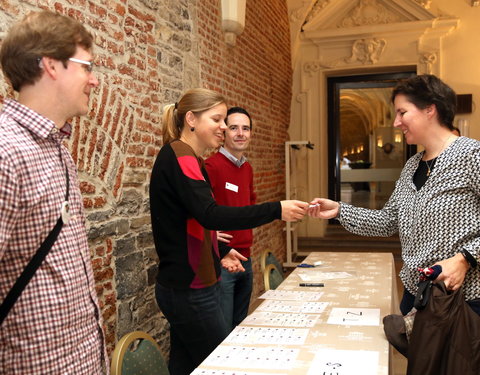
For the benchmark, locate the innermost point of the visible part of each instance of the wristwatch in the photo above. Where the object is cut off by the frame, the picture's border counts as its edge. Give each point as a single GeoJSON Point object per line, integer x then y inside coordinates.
{"type": "Point", "coordinates": [339, 209]}
{"type": "Point", "coordinates": [469, 258]}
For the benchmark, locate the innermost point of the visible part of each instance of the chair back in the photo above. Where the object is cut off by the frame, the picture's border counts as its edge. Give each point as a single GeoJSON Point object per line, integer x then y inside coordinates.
{"type": "Point", "coordinates": [269, 258]}
{"type": "Point", "coordinates": [272, 277]}
{"type": "Point", "coordinates": [137, 353]}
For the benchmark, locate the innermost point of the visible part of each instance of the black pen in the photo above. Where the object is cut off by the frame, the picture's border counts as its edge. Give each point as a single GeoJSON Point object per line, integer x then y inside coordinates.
{"type": "Point", "coordinates": [311, 284]}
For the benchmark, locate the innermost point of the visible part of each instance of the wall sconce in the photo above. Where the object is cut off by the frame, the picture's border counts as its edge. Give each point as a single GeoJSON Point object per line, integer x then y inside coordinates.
{"type": "Point", "coordinates": [233, 19]}
{"type": "Point", "coordinates": [475, 3]}
{"type": "Point", "coordinates": [398, 138]}
{"type": "Point", "coordinates": [380, 142]}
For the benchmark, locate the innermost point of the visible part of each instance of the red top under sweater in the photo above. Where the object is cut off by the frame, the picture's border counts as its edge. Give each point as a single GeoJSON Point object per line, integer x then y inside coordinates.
{"type": "Point", "coordinates": [233, 186]}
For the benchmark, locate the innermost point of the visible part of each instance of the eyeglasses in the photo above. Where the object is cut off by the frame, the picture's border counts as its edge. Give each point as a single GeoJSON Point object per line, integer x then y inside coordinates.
{"type": "Point", "coordinates": [88, 65]}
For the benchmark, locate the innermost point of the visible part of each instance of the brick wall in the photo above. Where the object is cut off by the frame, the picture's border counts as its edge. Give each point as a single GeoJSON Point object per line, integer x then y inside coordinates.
{"type": "Point", "coordinates": [255, 74]}
{"type": "Point", "coordinates": [148, 52]}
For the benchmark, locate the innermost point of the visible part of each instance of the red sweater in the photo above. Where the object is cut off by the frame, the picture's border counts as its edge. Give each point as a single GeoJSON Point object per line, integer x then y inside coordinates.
{"type": "Point", "coordinates": [233, 186]}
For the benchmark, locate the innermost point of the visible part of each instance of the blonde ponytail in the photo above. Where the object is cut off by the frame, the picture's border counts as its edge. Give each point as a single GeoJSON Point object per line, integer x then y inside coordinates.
{"type": "Point", "coordinates": [195, 100]}
{"type": "Point", "coordinates": [171, 130]}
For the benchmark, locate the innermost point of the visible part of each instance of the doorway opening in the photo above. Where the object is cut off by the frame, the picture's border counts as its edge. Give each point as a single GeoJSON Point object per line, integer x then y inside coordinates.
{"type": "Point", "coordinates": [366, 153]}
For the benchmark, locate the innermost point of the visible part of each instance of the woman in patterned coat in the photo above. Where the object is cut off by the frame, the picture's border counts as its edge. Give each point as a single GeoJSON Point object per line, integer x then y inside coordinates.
{"type": "Point", "coordinates": [435, 206]}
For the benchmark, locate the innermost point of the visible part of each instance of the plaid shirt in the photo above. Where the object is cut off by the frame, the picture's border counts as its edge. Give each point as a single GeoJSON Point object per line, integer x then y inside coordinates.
{"type": "Point", "coordinates": [55, 325]}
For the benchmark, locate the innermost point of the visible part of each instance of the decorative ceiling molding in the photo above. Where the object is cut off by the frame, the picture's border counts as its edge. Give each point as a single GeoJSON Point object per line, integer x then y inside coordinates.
{"type": "Point", "coordinates": [327, 14]}
{"type": "Point", "coordinates": [317, 7]}
{"type": "Point", "coordinates": [298, 10]}
{"type": "Point", "coordinates": [424, 3]}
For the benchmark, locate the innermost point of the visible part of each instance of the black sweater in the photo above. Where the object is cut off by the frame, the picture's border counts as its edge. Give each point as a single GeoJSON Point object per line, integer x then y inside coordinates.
{"type": "Point", "coordinates": [185, 218]}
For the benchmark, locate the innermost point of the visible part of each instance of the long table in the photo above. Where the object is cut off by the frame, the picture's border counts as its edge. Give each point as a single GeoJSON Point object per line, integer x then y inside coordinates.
{"type": "Point", "coordinates": [346, 338]}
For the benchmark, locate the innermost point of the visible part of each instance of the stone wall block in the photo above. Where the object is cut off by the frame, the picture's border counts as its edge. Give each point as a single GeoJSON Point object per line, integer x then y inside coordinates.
{"type": "Point", "coordinates": [150, 256]}
{"type": "Point", "coordinates": [113, 228]}
{"type": "Point", "coordinates": [145, 240]}
{"type": "Point", "coordinates": [152, 274]}
{"type": "Point", "coordinates": [130, 202]}
{"type": "Point", "coordinates": [126, 317]}
{"type": "Point", "coordinates": [130, 275]}
{"type": "Point", "coordinates": [124, 246]}
{"type": "Point", "coordinates": [142, 222]}
{"type": "Point", "coordinates": [98, 216]}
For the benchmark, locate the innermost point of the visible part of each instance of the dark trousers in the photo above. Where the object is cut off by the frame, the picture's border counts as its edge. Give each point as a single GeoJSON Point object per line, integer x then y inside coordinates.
{"type": "Point", "coordinates": [197, 325]}
{"type": "Point", "coordinates": [408, 299]}
{"type": "Point", "coordinates": [236, 289]}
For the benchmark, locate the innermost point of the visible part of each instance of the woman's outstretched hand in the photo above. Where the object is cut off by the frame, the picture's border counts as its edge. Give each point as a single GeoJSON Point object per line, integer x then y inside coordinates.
{"type": "Point", "coordinates": [322, 208]}
{"type": "Point", "coordinates": [293, 210]}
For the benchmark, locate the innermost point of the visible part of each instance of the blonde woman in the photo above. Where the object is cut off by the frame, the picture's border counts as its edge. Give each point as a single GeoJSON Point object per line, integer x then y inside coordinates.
{"type": "Point", "coordinates": [185, 218]}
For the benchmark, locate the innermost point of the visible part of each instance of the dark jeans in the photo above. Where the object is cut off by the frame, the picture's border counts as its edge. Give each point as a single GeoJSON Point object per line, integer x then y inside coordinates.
{"type": "Point", "coordinates": [235, 291]}
{"type": "Point", "coordinates": [196, 322]}
{"type": "Point", "coordinates": [408, 299]}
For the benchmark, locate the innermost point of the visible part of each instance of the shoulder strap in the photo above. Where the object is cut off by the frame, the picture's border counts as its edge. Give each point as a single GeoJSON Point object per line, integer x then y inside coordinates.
{"type": "Point", "coordinates": [423, 294]}
{"type": "Point", "coordinates": [29, 271]}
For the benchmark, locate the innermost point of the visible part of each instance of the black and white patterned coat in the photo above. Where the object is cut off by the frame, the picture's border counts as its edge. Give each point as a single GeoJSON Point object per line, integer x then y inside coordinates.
{"type": "Point", "coordinates": [435, 222]}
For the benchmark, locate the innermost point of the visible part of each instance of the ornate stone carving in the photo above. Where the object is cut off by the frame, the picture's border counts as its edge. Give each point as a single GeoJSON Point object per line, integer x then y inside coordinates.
{"type": "Point", "coordinates": [298, 14]}
{"type": "Point", "coordinates": [317, 7]}
{"type": "Point", "coordinates": [424, 3]}
{"type": "Point", "coordinates": [314, 66]}
{"type": "Point", "coordinates": [368, 12]}
{"type": "Point", "coordinates": [428, 60]}
{"type": "Point", "coordinates": [367, 51]}
{"type": "Point", "coordinates": [300, 98]}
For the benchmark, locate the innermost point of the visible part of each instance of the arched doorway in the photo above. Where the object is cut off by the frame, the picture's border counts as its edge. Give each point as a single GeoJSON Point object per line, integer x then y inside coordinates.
{"type": "Point", "coordinates": [365, 152]}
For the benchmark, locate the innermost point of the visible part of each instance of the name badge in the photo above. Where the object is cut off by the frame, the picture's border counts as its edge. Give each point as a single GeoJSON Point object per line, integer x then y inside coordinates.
{"type": "Point", "coordinates": [65, 212]}
{"type": "Point", "coordinates": [231, 187]}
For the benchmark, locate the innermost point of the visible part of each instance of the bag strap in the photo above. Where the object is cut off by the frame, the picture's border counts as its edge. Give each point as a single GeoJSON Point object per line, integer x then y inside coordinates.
{"type": "Point", "coordinates": [423, 294]}
{"type": "Point", "coordinates": [29, 271]}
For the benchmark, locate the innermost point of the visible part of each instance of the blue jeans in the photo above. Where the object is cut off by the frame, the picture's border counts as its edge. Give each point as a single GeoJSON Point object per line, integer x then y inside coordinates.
{"type": "Point", "coordinates": [196, 322]}
{"type": "Point", "coordinates": [236, 289]}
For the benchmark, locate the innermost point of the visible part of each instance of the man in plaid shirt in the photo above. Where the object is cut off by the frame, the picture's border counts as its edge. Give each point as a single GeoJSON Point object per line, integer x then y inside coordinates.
{"type": "Point", "coordinates": [55, 326]}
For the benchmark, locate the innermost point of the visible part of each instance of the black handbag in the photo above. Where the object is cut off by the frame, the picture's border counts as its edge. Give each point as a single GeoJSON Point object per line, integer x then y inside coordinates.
{"type": "Point", "coordinates": [445, 339]}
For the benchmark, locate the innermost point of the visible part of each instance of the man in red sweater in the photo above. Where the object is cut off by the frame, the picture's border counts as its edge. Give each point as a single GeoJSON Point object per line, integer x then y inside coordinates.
{"type": "Point", "coordinates": [231, 178]}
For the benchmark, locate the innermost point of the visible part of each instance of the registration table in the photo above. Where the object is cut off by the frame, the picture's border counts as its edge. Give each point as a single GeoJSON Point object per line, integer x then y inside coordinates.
{"type": "Point", "coordinates": [334, 329]}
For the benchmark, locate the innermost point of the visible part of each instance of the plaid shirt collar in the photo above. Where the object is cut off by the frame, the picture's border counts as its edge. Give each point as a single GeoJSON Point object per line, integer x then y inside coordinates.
{"type": "Point", "coordinates": [34, 122]}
